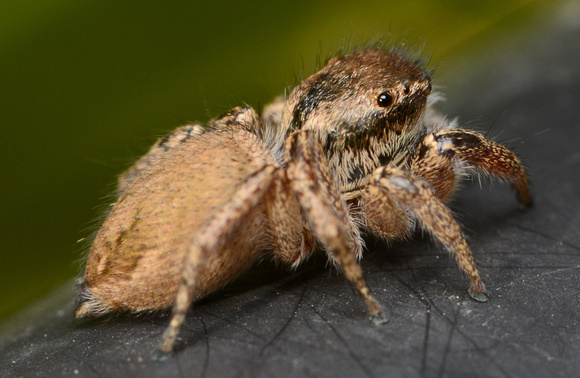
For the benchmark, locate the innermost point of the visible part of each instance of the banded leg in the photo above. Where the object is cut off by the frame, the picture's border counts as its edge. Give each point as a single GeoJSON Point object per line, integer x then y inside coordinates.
{"type": "Point", "coordinates": [327, 214]}
{"type": "Point", "coordinates": [412, 192]}
{"type": "Point", "coordinates": [478, 152]}
{"type": "Point", "coordinates": [211, 238]}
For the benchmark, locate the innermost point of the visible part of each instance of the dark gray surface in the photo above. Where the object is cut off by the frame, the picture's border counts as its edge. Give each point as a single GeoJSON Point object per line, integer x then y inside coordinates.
{"type": "Point", "coordinates": [312, 323]}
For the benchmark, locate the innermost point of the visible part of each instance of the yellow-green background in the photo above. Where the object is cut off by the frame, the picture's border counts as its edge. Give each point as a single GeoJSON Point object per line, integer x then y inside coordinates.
{"type": "Point", "coordinates": [85, 86]}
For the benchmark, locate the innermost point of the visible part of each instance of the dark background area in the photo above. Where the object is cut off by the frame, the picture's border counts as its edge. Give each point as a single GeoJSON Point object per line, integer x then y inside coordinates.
{"type": "Point", "coordinates": [511, 69]}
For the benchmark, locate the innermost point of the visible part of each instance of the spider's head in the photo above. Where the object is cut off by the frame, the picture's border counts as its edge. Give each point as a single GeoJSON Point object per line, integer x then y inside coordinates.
{"type": "Point", "coordinates": [360, 94]}
{"type": "Point", "coordinates": [370, 103]}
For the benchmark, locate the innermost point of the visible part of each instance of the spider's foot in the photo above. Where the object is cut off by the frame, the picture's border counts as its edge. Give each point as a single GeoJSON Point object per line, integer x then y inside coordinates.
{"type": "Point", "coordinates": [160, 355]}
{"type": "Point", "coordinates": [380, 318]}
{"type": "Point", "coordinates": [482, 296]}
{"type": "Point", "coordinates": [526, 205]}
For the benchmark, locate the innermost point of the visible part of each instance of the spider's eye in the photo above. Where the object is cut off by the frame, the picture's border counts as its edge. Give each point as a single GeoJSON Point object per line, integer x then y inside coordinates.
{"type": "Point", "coordinates": [385, 99]}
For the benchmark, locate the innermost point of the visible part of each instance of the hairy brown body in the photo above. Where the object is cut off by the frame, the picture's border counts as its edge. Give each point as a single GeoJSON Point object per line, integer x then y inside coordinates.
{"type": "Point", "coordinates": [355, 146]}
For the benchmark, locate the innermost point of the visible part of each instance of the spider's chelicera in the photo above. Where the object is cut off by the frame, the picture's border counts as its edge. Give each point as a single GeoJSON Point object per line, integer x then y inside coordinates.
{"type": "Point", "coordinates": [356, 145]}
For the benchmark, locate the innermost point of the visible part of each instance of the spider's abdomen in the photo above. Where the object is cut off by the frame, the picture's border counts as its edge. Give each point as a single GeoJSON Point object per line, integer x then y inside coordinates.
{"type": "Point", "coordinates": [156, 219]}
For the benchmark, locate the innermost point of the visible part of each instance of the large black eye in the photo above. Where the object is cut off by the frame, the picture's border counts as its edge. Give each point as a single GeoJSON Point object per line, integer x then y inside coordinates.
{"type": "Point", "coordinates": [385, 99]}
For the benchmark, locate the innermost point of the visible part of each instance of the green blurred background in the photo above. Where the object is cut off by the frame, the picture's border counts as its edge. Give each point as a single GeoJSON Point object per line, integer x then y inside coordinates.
{"type": "Point", "coordinates": [87, 86]}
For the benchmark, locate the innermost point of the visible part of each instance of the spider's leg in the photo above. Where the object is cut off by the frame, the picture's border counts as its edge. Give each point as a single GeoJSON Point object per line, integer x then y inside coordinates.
{"type": "Point", "coordinates": [383, 217]}
{"type": "Point", "coordinates": [413, 193]}
{"type": "Point", "coordinates": [311, 180]}
{"type": "Point", "coordinates": [292, 241]}
{"type": "Point", "coordinates": [472, 149]}
{"type": "Point", "coordinates": [210, 238]}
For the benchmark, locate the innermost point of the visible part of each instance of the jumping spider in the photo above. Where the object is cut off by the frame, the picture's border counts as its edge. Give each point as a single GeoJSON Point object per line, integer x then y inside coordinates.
{"type": "Point", "coordinates": [356, 145]}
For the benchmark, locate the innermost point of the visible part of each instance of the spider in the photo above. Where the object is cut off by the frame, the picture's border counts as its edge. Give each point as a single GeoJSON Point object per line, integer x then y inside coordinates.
{"type": "Point", "coordinates": [357, 145]}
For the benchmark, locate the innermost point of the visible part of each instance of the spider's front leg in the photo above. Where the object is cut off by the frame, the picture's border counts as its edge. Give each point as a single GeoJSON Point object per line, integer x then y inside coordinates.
{"type": "Point", "coordinates": [318, 195]}
{"type": "Point", "coordinates": [407, 191]}
{"type": "Point", "coordinates": [446, 152]}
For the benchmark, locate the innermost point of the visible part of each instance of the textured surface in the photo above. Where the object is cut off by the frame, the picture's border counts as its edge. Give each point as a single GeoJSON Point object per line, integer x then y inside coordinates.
{"type": "Point", "coordinates": [312, 323]}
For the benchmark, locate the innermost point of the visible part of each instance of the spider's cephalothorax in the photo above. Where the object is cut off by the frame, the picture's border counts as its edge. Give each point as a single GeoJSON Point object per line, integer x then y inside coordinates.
{"type": "Point", "coordinates": [356, 145]}
{"type": "Point", "coordinates": [366, 110]}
